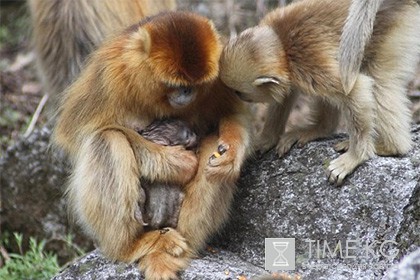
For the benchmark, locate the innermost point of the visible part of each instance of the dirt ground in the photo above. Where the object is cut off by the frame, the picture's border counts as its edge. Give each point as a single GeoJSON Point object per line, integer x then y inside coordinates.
{"type": "Point", "coordinates": [21, 91]}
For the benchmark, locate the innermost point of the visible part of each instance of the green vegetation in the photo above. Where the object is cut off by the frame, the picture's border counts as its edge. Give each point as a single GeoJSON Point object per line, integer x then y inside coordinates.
{"type": "Point", "coordinates": [14, 24]}
{"type": "Point", "coordinates": [36, 263]}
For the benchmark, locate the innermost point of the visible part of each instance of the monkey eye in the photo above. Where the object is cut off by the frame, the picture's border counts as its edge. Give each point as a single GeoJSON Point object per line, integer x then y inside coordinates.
{"type": "Point", "coordinates": [238, 93]}
{"type": "Point", "coordinates": [185, 90]}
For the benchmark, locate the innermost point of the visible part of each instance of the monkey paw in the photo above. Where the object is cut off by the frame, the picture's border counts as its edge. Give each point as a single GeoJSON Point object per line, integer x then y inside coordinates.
{"type": "Point", "coordinates": [342, 146]}
{"type": "Point", "coordinates": [171, 242]}
{"type": "Point", "coordinates": [341, 167]}
{"type": "Point", "coordinates": [266, 143]}
{"type": "Point", "coordinates": [217, 158]}
{"type": "Point", "coordinates": [223, 164]}
{"type": "Point", "coordinates": [162, 266]}
{"type": "Point", "coordinates": [289, 139]}
{"type": "Point", "coordinates": [183, 162]}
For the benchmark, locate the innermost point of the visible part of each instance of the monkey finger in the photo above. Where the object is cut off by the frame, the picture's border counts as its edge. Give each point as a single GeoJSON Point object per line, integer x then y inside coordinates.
{"type": "Point", "coordinates": [139, 217]}
{"type": "Point", "coordinates": [342, 146]}
{"type": "Point", "coordinates": [221, 150]}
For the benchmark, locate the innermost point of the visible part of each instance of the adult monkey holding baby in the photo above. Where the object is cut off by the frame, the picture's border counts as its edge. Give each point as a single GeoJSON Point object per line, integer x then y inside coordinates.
{"type": "Point", "coordinates": [164, 67]}
{"type": "Point", "coordinates": [130, 81]}
{"type": "Point", "coordinates": [65, 33]}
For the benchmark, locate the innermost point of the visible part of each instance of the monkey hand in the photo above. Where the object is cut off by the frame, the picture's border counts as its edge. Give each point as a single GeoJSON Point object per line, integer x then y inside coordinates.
{"type": "Point", "coordinates": [225, 162]}
{"type": "Point", "coordinates": [221, 149]}
{"type": "Point", "coordinates": [182, 163]}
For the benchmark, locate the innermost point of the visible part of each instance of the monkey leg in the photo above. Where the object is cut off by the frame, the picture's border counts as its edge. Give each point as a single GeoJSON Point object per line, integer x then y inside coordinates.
{"type": "Point", "coordinates": [274, 127]}
{"type": "Point", "coordinates": [360, 104]}
{"type": "Point", "coordinates": [163, 253]}
{"type": "Point", "coordinates": [393, 120]}
{"type": "Point", "coordinates": [205, 208]}
{"type": "Point", "coordinates": [160, 163]}
{"type": "Point", "coordinates": [207, 201]}
{"type": "Point", "coordinates": [342, 146]}
{"type": "Point", "coordinates": [324, 119]}
{"type": "Point", "coordinates": [395, 64]}
{"type": "Point", "coordinates": [104, 192]}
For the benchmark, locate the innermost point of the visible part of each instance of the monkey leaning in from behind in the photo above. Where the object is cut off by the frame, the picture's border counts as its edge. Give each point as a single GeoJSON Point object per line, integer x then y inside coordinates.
{"type": "Point", "coordinates": [66, 32]}
{"type": "Point", "coordinates": [130, 81]}
{"type": "Point", "coordinates": [294, 50]}
{"type": "Point", "coordinates": [158, 212]}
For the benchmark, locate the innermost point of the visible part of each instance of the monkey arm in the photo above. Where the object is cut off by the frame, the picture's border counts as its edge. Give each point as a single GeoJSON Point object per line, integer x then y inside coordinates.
{"type": "Point", "coordinates": [234, 145]}
{"type": "Point", "coordinates": [160, 163]}
{"type": "Point", "coordinates": [275, 125]}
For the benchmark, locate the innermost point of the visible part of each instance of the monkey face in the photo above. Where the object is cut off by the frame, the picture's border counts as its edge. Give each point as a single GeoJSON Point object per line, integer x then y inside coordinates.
{"type": "Point", "coordinates": [182, 48]}
{"type": "Point", "coordinates": [181, 97]}
{"type": "Point", "coordinates": [253, 65]}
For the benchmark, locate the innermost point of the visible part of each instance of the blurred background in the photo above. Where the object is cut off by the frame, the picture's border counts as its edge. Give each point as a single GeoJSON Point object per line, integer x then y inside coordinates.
{"type": "Point", "coordinates": [21, 92]}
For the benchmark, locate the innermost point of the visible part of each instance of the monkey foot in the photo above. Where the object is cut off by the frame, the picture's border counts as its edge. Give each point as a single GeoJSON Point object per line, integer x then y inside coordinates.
{"type": "Point", "coordinates": [299, 137]}
{"type": "Point", "coordinates": [341, 167]}
{"type": "Point", "coordinates": [171, 242]}
{"type": "Point", "coordinates": [266, 143]}
{"type": "Point", "coordinates": [162, 266]}
{"type": "Point", "coordinates": [342, 146]}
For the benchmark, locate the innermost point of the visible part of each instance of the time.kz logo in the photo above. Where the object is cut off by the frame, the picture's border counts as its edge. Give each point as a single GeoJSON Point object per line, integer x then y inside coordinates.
{"type": "Point", "coordinates": [279, 254]}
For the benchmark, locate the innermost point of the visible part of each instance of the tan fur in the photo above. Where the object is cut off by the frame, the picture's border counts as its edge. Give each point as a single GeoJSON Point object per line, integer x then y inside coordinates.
{"type": "Point", "coordinates": [356, 34]}
{"type": "Point", "coordinates": [124, 87]}
{"type": "Point", "coordinates": [294, 50]}
{"type": "Point", "coordinates": [66, 32]}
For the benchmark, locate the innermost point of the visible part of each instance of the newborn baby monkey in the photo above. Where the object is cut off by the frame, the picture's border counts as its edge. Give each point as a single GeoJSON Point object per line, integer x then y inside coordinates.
{"type": "Point", "coordinates": [295, 49]}
{"type": "Point", "coordinates": [163, 201]}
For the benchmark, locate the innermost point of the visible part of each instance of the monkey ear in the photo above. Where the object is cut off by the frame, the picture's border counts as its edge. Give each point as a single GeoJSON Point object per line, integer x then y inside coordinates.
{"type": "Point", "coordinates": [265, 80]}
{"type": "Point", "coordinates": [280, 89]}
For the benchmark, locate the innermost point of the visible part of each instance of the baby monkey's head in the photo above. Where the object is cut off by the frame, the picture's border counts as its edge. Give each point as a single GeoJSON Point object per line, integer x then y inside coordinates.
{"type": "Point", "coordinates": [254, 65]}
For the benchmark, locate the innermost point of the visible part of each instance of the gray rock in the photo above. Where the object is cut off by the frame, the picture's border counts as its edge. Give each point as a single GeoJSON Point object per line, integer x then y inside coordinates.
{"type": "Point", "coordinates": [408, 269]}
{"type": "Point", "coordinates": [291, 198]}
{"type": "Point", "coordinates": [220, 265]}
{"type": "Point", "coordinates": [32, 183]}
{"type": "Point", "coordinates": [277, 198]}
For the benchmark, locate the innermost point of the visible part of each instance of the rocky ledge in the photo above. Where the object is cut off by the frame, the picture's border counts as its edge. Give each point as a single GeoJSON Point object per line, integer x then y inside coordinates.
{"type": "Point", "coordinates": [369, 228]}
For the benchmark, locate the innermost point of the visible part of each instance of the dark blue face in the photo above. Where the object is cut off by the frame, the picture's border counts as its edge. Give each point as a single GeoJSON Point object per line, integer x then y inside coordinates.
{"type": "Point", "coordinates": [181, 97]}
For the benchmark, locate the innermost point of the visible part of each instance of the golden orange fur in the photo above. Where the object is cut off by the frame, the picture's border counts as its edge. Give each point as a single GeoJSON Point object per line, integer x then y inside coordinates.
{"type": "Point", "coordinates": [295, 50]}
{"type": "Point", "coordinates": [124, 87]}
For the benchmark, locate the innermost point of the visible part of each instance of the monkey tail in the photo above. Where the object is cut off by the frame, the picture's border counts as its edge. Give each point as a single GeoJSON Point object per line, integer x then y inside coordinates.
{"type": "Point", "coordinates": [357, 31]}
{"type": "Point", "coordinates": [104, 192]}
